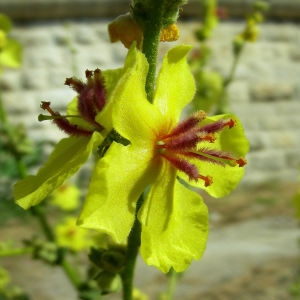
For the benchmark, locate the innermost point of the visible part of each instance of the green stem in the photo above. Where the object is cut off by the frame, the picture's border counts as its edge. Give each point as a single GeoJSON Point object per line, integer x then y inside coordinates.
{"type": "Point", "coordinates": [3, 118]}
{"type": "Point", "coordinates": [222, 104]}
{"type": "Point", "coordinates": [150, 47]}
{"type": "Point", "coordinates": [134, 241]}
{"type": "Point", "coordinates": [173, 276]}
{"type": "Point", "coordinates": [151, 32]}
{"type": "Point", "coordinates": [38, 212]}
{"type": "Point", "coordinates": [71, 274]}
{"type": "Point", "coordinates": [230, 78]}
{"type": "Point", "coordinates": [16, 251]}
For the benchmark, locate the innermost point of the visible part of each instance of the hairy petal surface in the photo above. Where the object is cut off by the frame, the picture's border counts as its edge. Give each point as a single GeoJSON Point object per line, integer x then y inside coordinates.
{"type": "Point", "coordinates": [175, 83]}
{"type": "Point", "coordinates": [111, 78]}
{"type": "Point", "coordinates": [133, 116]}
{"type": "Point", "coordinates": [65, 160]}
{"type": "Point", "coordinates": [118, 180]}
{"type": "Point", "coordinates": [174, 224]}
{"type": "Point", "coordinates": [128, 101]}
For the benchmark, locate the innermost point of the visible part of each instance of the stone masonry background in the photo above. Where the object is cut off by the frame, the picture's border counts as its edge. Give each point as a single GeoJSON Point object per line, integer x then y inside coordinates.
{"type": "Point", "coordinates": [265, 94]}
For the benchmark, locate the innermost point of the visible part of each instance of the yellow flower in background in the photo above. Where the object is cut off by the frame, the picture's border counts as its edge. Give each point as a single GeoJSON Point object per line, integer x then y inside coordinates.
{"type": "Point", "coordinates": [66, 197]}
{"type": "Point", "coordinates": [10, 50]}
{"type": "Point", "coordinates": [138, 295]}
{"type": "Point", "coordinates": [4, 279]}
{"type": "Point", "coordinates": [71, 236]}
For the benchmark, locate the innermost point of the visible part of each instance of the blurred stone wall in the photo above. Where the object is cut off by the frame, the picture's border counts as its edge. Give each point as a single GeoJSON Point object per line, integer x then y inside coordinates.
{"type": "Point", "coordinates": [55, 9]}
{"type": "Point", "coordinates": [265, 94]}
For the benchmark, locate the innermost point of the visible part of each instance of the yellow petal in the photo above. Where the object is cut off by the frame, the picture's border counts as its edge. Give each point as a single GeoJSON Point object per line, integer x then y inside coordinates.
{"type": "Point", "coordinates": [118, 180]}
{"type": "Point", "coordinates": [67, 157]}
{"type": "Point", "coordinates": [175, 83]}
{"type": "Point", "coordinates": [174, 224]}
{"type": "Point", "coordinates": [225, 179]}
{"type": "Point", "coordinates": [133, 116]}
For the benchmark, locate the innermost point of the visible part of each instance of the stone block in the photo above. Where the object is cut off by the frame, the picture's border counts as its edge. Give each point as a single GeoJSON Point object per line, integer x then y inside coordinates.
{"type": "Point", "coordinates": [59, 97]}
{"type": "Point", "coordinates": [19, 103]}
{"type": "Point", "coordinates": [293, 158]}
{"type": "Point", "coordinates": [46, 57]}
{"type": "Point", "coordinates": [267, 160]}
{"type": "Point", "coordinates": [34, 79]}
{"type": "Point", "coordinates": [287, 139]}
{"type": "Point", "coordinates": [83, 34]}
{"type": "Point", "coordinates": [238, 91]}
{"type": "Point", "coordinates": [10, 80]}
{"type": "Point", "coordinates": [256, 140]}
{"type": "Point", "coordinates": [272, 91]}
{"type": "Point", "coordinates": [56, 77]}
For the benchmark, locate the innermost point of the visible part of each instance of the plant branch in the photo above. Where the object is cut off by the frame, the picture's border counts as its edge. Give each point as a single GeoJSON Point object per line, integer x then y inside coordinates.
{"type": "Point", "coordinates": [134, 241]}
{"type": "Point", "coordinates": [38, 212]}
{"type": "Point", "coordinates": [151, 33]}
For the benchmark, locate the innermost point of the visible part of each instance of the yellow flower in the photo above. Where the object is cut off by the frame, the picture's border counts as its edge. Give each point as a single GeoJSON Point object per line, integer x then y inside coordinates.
{"type": "Point", "coordinates": [71, 236]}
{"type": "Point", "coordinates": [66, 197]}
{"type": "Point", "coordinates": [162, 149]}
{"type": "Point", "coordinates": [10, 50]}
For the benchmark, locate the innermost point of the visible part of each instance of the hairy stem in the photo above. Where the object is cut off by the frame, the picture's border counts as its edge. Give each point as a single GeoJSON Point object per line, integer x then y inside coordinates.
{"type": "Point", "coordinates": [151, 32]}
{"type": "Point", "coordinates": [173, 276]}
{"type": "Point", "coordinates": [134, 241]}
{"type": "Point", "coordinates": [223, 103]}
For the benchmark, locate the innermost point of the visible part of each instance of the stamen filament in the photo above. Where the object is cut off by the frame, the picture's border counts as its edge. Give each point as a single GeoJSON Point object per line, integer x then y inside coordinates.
{"type": "Point", "coordinates": [184, 166]}
{"type": "Point", "coordinates": [217, 126]}
{"type": "Point", "coordinates": [180, 146]}
{"type": "Point", "coordinates": [187, 124]}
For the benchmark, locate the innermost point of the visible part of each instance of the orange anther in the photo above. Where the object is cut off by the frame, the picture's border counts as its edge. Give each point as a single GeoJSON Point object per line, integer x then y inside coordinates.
{"type": "Point", "coordinates": [210, 137]}
{"type": "Point", "coordinates": [46, 106]}
{"type": "Point", "coordinates": [208, 180]}
{"type": "Point", "coordinates": [231, 123]}
{"type": "Point", "coordinates": [241, 162]}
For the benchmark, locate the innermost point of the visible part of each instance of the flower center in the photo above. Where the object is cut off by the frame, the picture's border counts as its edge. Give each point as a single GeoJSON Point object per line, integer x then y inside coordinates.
{"type": "Point", "coordinates": [182, 146]}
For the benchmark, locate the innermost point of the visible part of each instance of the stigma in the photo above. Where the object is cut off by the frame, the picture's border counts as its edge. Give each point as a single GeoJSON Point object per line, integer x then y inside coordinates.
{"type": "Point", "coordinates": [181, 147]}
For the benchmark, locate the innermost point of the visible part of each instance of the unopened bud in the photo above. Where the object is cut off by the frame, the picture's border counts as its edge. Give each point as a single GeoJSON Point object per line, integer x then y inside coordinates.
{"type": "Point", "coordinates": [108, 282]}
{"type": "Point", "coordinates": [125, 29]}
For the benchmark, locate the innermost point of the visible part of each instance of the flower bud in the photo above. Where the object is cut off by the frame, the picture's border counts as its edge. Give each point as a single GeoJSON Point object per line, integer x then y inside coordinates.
{"type": "Point", "coordinates": [125, 29]}
{"type": "Point", "coordinates": [108, 282]}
